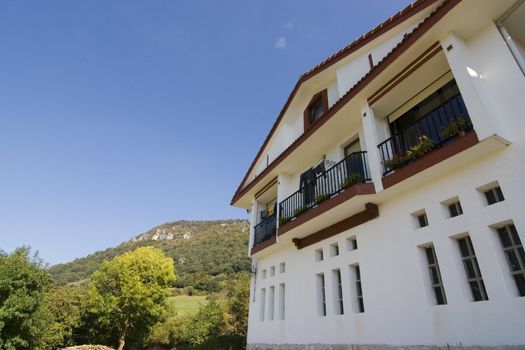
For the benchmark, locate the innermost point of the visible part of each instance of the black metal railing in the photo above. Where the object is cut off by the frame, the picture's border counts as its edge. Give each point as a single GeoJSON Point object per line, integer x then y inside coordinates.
{"type": "Point", "coordinates": [441, 126]}
{"type": "Point", "coordinates": [352, 169]}
{"type": "Point", "coordinates": [265, 229]}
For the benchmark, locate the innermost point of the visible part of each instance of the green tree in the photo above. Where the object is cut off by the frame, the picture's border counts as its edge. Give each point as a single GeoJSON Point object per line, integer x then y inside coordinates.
{"type": "Point", "coordinates": [238, 300]}
{"type": "Point", "coordinates": [22, 283]}
{"type": "Point", "coordinates": [128, 294]}
{"type": "Point", "coordinates": [65, 306]}
{"type": "Point", "coordinates": [208, 322]}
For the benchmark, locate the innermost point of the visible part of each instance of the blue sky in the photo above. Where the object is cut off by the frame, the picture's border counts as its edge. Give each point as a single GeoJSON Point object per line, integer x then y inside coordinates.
{"type": "Point", "coordinates": [117, 116]}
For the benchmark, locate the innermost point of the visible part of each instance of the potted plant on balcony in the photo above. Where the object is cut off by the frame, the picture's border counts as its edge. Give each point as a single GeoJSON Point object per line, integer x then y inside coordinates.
{"type": "Point", "coordinates": [455, 127]}
{"type": "Point", "coordinates": [395, 162]}
{"type": "Point", "coordinates": [321, 198]}
{"type": "Point", "coordinates": [424, 145]}
{"type": "Point", "coordinates": [351, 179]}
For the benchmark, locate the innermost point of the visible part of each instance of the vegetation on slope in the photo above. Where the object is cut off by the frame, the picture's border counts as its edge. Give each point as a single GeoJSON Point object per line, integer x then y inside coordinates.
{"type": "Point", "coordinates": [206, 254]}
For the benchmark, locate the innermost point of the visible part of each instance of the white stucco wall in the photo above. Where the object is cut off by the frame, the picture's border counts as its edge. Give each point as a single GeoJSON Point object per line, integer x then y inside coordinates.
{"type": "Point", "coordinates": [399, 306]}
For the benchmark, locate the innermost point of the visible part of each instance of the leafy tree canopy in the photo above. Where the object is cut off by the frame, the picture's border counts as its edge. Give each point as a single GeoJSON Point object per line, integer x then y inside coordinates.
{"type": "Point", "coordinates": [128, 293]}
{"type": "Point", "coordinates": [22, 283]}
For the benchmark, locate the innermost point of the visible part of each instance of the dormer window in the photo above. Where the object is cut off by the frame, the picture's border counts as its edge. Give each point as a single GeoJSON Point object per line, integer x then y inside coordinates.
{"type": "Point", "coordinates": [316, 108]}
{"type": "Point", "coordinates": [316, 111]}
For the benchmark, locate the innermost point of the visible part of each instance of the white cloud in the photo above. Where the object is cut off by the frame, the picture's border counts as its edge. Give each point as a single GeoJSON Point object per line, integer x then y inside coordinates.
{"type": "Point", "coordinates": [289, 25]}
{"type": "Point", "coordinates": [280, 43]}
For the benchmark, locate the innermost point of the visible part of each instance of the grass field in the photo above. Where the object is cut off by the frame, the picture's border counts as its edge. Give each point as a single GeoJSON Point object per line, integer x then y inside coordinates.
{"type": "Point", "coordinates": [186, 304]}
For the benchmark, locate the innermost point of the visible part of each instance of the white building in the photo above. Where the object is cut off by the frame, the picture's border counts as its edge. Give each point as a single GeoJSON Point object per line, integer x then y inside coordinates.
{"type": "Point", "coordinates": [412, 233]}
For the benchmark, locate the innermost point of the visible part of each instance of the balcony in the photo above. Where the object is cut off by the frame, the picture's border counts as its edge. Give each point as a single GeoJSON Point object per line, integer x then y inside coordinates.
{"type": "Point", "coordinates": [265, 230]}
{"type": "Point", "coordinates": [441, 127]}
{"type": "Point", "coordinates": [340, 177]}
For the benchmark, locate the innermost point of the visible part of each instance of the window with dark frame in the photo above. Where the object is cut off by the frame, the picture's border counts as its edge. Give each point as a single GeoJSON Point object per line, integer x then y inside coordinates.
{"type": "Point", "coordinates": [422, 220]}
{"type": "Point", "coordinates": [515, 255]}
{"type": "Point", "coordinates": [321, 294]}
{"type": "Point", "coordinates": [455, 209]}
{"type": "Point", "coordinates": [316, 110]}
{"type": "Point", "coordinates": [494, 195]}
{"type": "Point", "coordinates": [319, 256]}
{"type": "Point", "coordinates": [359, 289]}
{"type": "Point", "coordinates": [334, 249]}
{"type": "Point", "coordinates": [339, 291]}
{"type": "Point", "coordinates": [472, 271]}
{"type": "Point", "coordinates": [435, 276]}
{"type": "Point", "coordinates": [353, 242]}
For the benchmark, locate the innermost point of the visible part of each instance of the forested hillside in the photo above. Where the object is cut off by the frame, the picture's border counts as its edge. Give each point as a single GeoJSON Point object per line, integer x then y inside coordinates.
{"type": "Point", "coordinates": [206, 253]}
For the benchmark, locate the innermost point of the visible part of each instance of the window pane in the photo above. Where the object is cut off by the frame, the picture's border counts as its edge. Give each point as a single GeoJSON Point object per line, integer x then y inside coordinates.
{"type": "Point", "coordinates": [522, 256]}
{"type": "Point", "coordinates": [504, 237]}
{"type": "Point", "coordinates": [430, 256]}
{"type": "Point", "coordinates": [361, 305]}
{"type": "Point", "coordinates": [463, 247]}
{"type": "Point", "coordinates": [520, 283]}
{"type": "Point", "coordinates": [514, 233]}
{"type": "Point", "coordinates": [499, 194]}
{"type": "Point", "coordinates": [423, 220]}
{"type": "Point", "coordinates": [439, 296]}
{"type": "Point", "coordinates": [476, 293]}
{"type": "Point", "coordinates": [453, 210]}
{"type": "Point", "coordinates": [316, 111]}
{"type": "Point", "coordinates": [469, 268]}
{"type": "Point", "coordinates": [491, 199]}
{"type": "Point", "coordinates": [513, 260]}
{"type": "Point", "coordinates": [435, 275]}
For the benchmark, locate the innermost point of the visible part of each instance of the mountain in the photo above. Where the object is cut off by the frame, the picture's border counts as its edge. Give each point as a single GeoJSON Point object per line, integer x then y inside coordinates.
{"type": "Point", "coordinates": [206, 253]}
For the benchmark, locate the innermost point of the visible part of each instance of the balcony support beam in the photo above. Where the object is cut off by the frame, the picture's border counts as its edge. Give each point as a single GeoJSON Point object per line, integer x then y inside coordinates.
{"type": "Point", "coordinates": [370, 130]}
{"type": "Point", "coordinates": [371, 212]}
{"type": "Point", "coordinates": [253, 219]}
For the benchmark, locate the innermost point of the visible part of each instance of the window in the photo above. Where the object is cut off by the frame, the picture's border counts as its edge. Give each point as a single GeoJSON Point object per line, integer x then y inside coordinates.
{"type": "Point", "coordinates": [351, 243]}
{"type": "Point", "coordinates": [422, 220]}
{"type": "Point", "coordinates": [338, 292]}
{"type": "Point", "coordinates": [272, 271]}
{"type": "Point", "coordinates": [515, 255]}
{"type": "Point", "coordinates": [271, 304]}
{"type": "Point", "coordinates": [360, 306]}
{"type": "Point", "coordinates": [319, 254]}
{"type": "Point", "coordinates": [354, 146]}
{"type": "Point", "coordinates": [264, 274]}
{"type": "Point", "coordinates": [321, 295]}
{"type": "Point", "coordinates": [282, 292]}
{"type": "Point", "coordinates": [429, 104]}
{"type": "Point", "coordinates": [494, 195]}
{"type": "Point", "coordinates": [334, 249]}
{"type": "Point", "coordinates": [262, 305]}
{"type": "Point", "coordinates": [435, 276]}
{"type": "Point", "coordinates": [282, 267]}
{"type": "Point", "coordinates": [472, 271]}
{"type": "Point", "coordinates": [455, 209]}
{"type": "Point", "coordinates": [316, 108]}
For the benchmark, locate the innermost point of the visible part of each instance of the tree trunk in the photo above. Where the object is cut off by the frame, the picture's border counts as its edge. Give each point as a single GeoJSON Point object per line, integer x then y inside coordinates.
{"type": "Point", "coordinates": [122, 339]}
